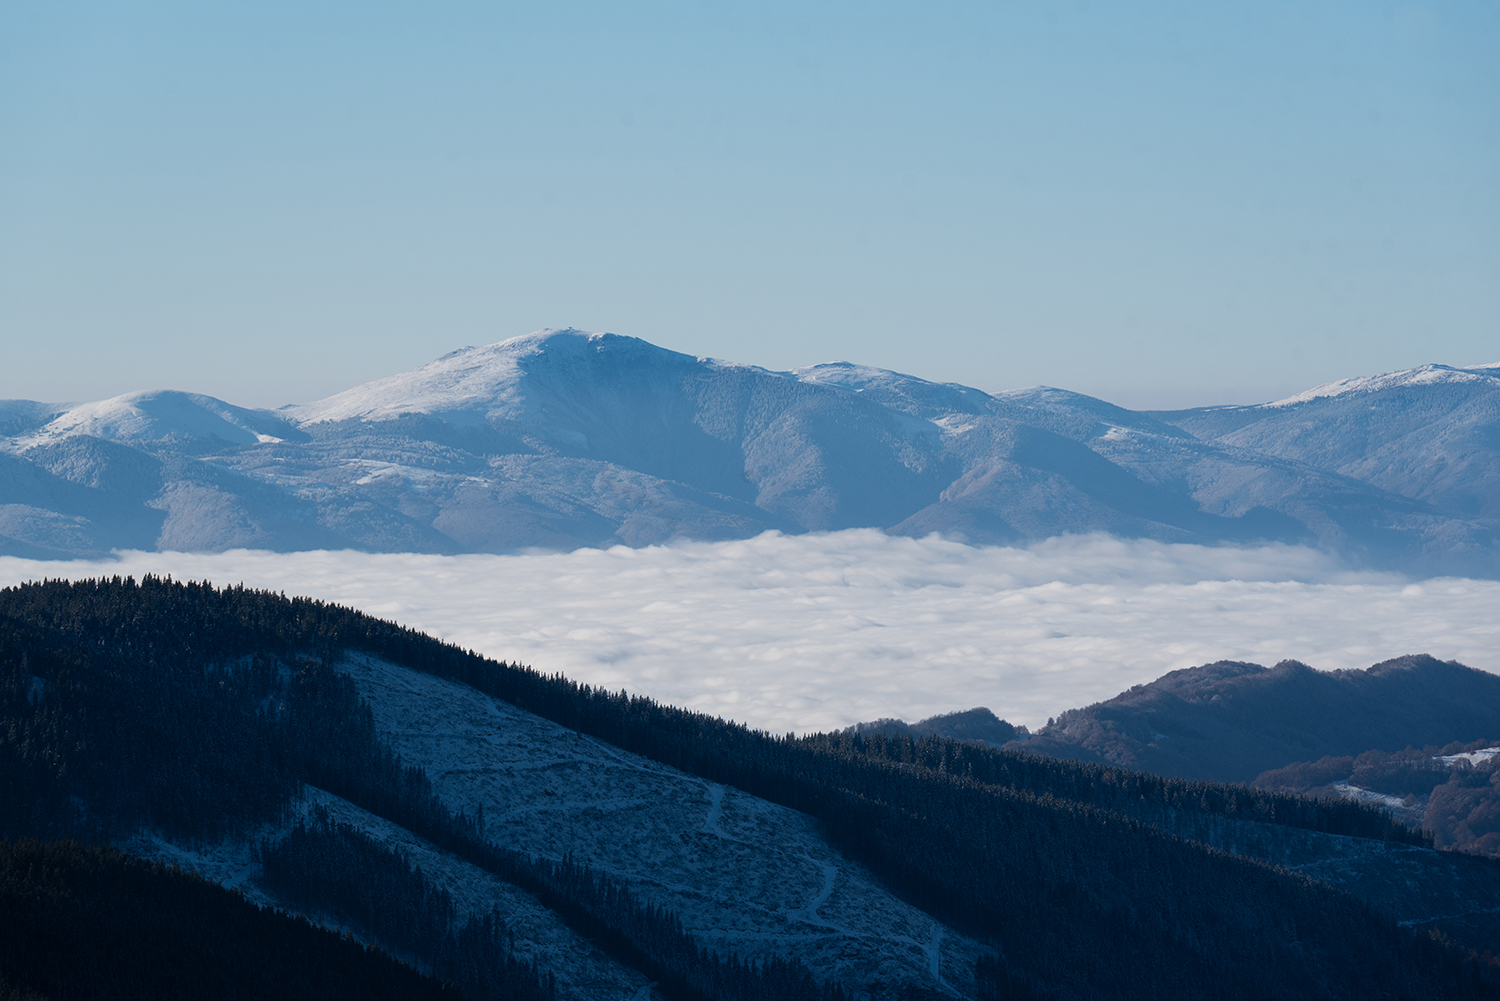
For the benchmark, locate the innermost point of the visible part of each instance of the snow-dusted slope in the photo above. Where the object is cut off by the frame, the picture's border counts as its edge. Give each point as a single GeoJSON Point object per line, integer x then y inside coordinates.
{"type": "Point", "coordinates": [478, 381]}
{"type": "Point", "coordinates": [583, 971]}
{"type": "Point", "coordinates": [743, 874]}
{"type": "Point", "coordinates": [760, 446]}
{"type": "Point", "coordinates": [906, 393]}
{"type": "Point", "coordinates": [1429, 433]}
{"type": "Point", "coordinates": [563, 438]}
{"type": "Point", "coordinates": [17, 417]}
{"type": "Point", "coordinates": [1426, 375]}
{"type": "Point", "coordinates": [521, 378]}
{"type": "Point", "coordinates": [187, 419]}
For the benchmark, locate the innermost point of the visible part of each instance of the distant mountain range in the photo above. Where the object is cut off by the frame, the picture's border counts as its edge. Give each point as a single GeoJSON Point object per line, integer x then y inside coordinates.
{"type": "Point", "coordinates": [563, 439]}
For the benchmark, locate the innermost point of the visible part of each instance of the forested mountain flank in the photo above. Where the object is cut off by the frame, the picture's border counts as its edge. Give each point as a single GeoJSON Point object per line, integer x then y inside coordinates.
{"type": "Point", "coordinates": [1452, 791]}
{"type": "Point", "coordinates": [202, 712]}
{"type": "Point", "coordinates": [204, 730]}
{"type": "Point", "coordinates": [91, 923]}
{"type": "Point", "coordinates": [1230, 721]}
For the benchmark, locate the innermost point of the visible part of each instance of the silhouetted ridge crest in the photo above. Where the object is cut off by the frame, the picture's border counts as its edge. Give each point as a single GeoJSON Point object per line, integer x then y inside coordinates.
{"type": "Point", "coordinates": [1230, 721]}
{"type": "Point", "coordinates": [978, 724]}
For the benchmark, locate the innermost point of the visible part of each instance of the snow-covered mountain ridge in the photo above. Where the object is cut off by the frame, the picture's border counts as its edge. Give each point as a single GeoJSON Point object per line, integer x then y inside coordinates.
{"type": "Point", "coordinates": [563, 438]}
{"type": "Point", "coordinates": [164, 416]}
{"type": "Point", "coordinates": [1426, 375]}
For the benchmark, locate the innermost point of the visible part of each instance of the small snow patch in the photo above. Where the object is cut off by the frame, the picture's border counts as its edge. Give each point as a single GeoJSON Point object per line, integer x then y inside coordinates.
{"type": "Point", "coordinates": [1472, 757]}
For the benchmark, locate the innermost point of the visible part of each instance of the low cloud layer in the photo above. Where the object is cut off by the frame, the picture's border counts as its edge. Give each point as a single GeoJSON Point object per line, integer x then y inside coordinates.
{"type": "Point", "coordinates": [820, 631]}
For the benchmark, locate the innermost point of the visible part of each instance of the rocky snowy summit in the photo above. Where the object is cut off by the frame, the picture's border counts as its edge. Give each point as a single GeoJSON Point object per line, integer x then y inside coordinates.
{"type": "Point", "coordinates": [1426, 375]}
{"type": "Point", "coordinates": [562, 439]}
{"type": "Point", "coordinates": [185, 420]}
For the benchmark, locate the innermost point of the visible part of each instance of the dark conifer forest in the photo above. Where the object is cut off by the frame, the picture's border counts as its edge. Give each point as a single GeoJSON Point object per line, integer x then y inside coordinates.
{"type": "Point", "coordinates": [1453, 792]}
{"type": "Point", "coordinates": [335, 868]}
{"type": "Point", "coordinates": [201, 712]}
{"type": "Point", "coordinates": [93, 923]}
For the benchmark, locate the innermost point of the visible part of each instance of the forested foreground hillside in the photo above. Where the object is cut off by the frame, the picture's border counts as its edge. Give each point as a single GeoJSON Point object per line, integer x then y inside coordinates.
{"type": "Point", "coordinates": [207, 717]}
{"type": "Point", "coordinates": [96, 923]}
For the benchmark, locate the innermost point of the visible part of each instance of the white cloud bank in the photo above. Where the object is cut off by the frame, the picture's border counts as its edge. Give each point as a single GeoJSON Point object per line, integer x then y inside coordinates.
{"type": "Point", "coordinates": [820, 631]}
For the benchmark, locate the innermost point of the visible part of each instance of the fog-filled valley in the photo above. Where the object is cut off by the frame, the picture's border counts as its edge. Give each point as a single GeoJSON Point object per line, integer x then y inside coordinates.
{"type": "Point", "coordinates": [821, 631]}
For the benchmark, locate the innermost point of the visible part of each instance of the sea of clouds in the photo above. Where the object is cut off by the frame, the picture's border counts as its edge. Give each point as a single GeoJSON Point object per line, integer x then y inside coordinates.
{"type": "Point", "coordinates": [798, 633]}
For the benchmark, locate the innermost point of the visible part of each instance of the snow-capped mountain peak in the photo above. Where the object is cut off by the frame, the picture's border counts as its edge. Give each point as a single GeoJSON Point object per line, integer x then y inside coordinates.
{"type": "Point", "coordinates": [562, 438]}
{"type": "Point", "coordinates": [163, 415]}
{"type": "Point", "coordinates": [906, 393]}
{"type": "Point", "coordinates": [480, 382]}
{"type": "Point", "coordinates": [467, 379]}
{"type": "Point", "coordinates": [1425, 375]}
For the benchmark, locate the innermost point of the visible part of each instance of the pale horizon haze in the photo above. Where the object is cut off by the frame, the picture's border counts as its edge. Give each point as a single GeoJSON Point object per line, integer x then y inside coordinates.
{"type": "Point", "coordinates": [1161, 204]}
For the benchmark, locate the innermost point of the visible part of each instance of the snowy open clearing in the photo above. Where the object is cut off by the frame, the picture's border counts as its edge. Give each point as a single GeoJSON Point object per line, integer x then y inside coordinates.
{"type": "Point", "coordinates": [824, 630]}
{"type": "Point", "coordinates": [742, 874]}
{"type": "Point", "coordinates": [583, 971]}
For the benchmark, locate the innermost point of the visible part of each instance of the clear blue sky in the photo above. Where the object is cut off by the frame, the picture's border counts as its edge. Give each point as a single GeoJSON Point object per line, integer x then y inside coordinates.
{"type": "Point", "coordinates": [1159, 203]}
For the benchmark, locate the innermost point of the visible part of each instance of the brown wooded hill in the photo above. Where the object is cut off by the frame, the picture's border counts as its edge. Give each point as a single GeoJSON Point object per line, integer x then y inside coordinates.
{"type": "Point", "coordinates": [1231, 721]}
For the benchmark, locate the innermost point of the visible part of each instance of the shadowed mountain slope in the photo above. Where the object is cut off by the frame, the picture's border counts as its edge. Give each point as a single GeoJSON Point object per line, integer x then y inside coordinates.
{"type": "Point", "coordinates": [1230, 721]}
{"type": "Point", "coordinates": [88, 923]}
{"type": "Point", "coordinates": [1431, 433]}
